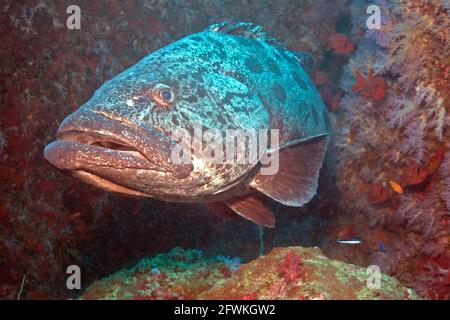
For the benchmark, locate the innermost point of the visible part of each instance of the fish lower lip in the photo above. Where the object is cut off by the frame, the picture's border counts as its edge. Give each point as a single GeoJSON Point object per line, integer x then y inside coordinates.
{"type": "Point", "coordinates": [75, 155]}
{"type": "Point", "coordinates": [88, 127]}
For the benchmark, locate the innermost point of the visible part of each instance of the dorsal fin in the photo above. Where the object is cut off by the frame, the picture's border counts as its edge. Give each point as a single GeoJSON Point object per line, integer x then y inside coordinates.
{"type": "Point", "coordinates": [245, 29]}
{"type": "Point", "coordinates": [254, 31]}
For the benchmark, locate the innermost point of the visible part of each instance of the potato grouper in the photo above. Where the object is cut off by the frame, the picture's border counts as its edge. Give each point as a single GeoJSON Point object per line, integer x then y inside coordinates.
{"type": "Point", "coordinates": [229, 76]}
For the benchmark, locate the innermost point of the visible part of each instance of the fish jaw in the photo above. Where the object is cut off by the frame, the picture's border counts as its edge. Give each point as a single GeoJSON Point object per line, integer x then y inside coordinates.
{"type": "Point", "coordinates": [73, 155]}
{"type": "Point", "coordinates": [113, 154]}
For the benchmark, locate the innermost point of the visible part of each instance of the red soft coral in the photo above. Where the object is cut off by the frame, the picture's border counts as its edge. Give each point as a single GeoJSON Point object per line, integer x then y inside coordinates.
{"type": "Point", "coordinates": [289, 267]}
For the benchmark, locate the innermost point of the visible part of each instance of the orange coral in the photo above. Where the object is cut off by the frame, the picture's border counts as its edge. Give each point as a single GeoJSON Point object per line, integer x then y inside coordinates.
{"type": "Point", "coordinates": [378, 193]}
{"type": "Point", "coordinates": [341, 44]}
{"type": "Point", "coordinates": [372, 87]}
{"type": "Point", "coordinates": [414, 174]}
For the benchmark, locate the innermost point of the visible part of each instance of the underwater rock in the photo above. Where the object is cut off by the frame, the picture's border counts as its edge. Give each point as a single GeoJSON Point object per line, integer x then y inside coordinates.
{"type": "Point", "coordinates": [284, 273]}
{"type": "Point", "coordinates": [317, 277]}
{"type": "Point", "coordinates": [178, 274]}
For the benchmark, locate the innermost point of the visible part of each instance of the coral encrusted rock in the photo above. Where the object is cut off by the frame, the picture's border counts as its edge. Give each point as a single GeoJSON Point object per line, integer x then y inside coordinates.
{"type": "Point", "coordinates": [284, 273]}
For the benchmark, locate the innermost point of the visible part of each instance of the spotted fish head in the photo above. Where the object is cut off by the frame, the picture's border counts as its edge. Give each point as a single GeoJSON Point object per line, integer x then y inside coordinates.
{"type": "Point", "coordinates": [122, 139]}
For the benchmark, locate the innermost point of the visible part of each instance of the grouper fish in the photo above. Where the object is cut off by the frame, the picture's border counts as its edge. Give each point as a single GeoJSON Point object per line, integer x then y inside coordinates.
{"type": "Point", "coordinates": [229, 76]}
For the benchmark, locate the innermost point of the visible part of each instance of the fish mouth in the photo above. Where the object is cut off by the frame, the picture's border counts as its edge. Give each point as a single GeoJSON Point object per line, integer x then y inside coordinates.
{"type": "Point", "coordinates": [98, 146]}
{"type": "Point", "coordinates": [78, 150]}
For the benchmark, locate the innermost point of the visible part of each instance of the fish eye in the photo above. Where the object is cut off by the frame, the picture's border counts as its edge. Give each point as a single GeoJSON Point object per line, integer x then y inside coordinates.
{"type": "Point", "coordinates": [163, 94]}
{"type": "Point", "coordinates": [167, 95]}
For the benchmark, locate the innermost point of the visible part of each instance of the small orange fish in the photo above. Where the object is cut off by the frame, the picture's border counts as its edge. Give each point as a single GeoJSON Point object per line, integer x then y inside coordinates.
{"type": "Point", "coordinates": [372, 87]}
{"type": "Point", "coordinates": [396, 186]}
{"type": "Point", "coordinates": [340, 43]}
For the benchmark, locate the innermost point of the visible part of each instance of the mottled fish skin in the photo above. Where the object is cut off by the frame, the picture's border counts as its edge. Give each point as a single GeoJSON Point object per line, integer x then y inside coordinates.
{"type": "Point", "coordinates": [222, 81]}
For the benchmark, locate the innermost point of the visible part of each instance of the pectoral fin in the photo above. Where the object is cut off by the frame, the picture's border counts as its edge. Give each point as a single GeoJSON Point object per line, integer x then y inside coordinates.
{"type": "Point", "coordinates": [295, 183]}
